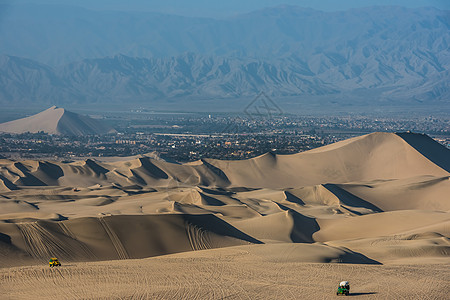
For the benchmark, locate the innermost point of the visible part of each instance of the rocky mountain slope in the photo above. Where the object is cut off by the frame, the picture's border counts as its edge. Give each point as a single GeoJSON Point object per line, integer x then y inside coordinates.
{"type": "Point", "coordinates": [63, 55]}
{"type": "Point", "coordinates": [121, 78]}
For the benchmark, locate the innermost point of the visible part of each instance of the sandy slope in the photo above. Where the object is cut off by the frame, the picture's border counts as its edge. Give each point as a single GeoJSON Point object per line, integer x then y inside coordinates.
{"type": "Point", "coordinates": [56, 120]}
{"type": "Point", "coordinates": [245, 272]}
{"type": "Point", "coordinates": [376, 199]}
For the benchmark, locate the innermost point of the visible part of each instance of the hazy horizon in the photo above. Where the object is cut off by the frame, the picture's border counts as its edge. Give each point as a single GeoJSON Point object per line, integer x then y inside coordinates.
{"type": "Point", "coordinates": [220, 9]}
{"type": "Point", "coordinates": [328, 56]}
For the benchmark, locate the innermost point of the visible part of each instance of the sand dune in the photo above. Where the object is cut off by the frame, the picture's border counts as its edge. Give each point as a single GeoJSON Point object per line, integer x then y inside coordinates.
{"type": "Point", "coordinates": [370, 157]}
{"type": "Point", "coordinates": [371, 225]}
{"type": "Point", "coordinates": [422, 192]}
{"type": "Point", "coordinates": [376, 199]}
{"type": "Point", "coordinates": [378, 156]}
{"type": "Point", "coordinates": [57, 121]}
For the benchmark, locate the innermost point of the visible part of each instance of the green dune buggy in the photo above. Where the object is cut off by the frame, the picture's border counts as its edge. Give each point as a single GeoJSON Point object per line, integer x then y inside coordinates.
{"type": "Point", "coordinates": [343, 289]}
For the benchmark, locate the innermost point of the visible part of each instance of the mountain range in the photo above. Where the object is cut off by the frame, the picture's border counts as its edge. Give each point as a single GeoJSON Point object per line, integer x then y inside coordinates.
{"type": "Point", "coordinates": [59, 54]}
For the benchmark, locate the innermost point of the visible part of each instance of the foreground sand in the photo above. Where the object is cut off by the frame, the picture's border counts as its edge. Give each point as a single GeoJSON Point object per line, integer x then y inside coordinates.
{"type": "Point", "coordinates": [232, 273]}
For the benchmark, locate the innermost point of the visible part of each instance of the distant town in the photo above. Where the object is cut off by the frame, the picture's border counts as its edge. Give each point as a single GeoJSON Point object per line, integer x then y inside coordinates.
{"type": "Point", "coordinates": [190, 137]}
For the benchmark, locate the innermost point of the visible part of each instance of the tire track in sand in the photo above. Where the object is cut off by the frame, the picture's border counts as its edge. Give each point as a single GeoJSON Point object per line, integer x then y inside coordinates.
{"type": "Point", "coordinates": [198, 238]}
{"type": "Point", "coordinates": [65, 229]}
{"type": "Point", "coordinates": [42, 244]}
{"type": "Point", "coordinates": [120, 249]}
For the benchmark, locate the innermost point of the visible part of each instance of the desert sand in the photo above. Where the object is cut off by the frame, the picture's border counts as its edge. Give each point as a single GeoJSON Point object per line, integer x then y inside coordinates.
{"type": "Point", "coordinates": [242, 272]}
{"type": "Point", "coordinates": [374, 210]}
{"type": "Point", "coordinates": [57, 120]}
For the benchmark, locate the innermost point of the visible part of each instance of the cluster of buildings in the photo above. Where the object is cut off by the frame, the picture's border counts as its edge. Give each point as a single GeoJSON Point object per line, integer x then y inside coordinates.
{"type": "Point", "coordinates": [185, 138]}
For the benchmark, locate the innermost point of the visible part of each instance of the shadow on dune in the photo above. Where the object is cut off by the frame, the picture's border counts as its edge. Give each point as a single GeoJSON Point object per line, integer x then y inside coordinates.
{"type": "Point", "coordinates": [5, 238]}
{"type": "Point", "coordinates": [7, 183]}
{"type": "Point", "coordinates": [218, 172]}
{"type": "Point", "coordinates": [351, 257]}
{"type": "Point", "coordinates": [219, 227]}
{"type": "Point", "coordinates": [350, 199]}
{"type": "Point", "coordinates": [216, 191]}
{"type": "Point", "coordinates": [152, 169]}
{"type": "Point", "coordinates": [241, 189]}
{"type": "Point", "coordinates": [94, 166]}
{"type": "Point", "coordinates": [304, 227]}
{"type": "Point", "coordinates": [292, 198]}
{"type": "Point", "coordinates": [53, 171]}
{"type": "Point", "coordinates": [120, 236]}
{"type": "Point", "coordinates": [429, 148]}
{"type": "Point", "coordinates": [362, 294]}
{"type": "Point", "coordinates": [136, 177]}
{"type": "Point", "coordinates": [211, 200]}
{"type": "Point", "coordinates": [29, 180]}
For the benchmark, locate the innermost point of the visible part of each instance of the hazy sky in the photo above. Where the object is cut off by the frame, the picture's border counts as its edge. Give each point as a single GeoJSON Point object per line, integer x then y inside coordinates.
{"type": "Point", "coordinates": [221, 8]}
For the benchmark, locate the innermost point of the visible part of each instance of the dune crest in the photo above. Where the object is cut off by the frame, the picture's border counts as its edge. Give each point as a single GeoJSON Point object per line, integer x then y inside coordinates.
{"type": "Point", "coordinates": [378, 198]}
{"type": "Point", "coordinates": [55, 120]}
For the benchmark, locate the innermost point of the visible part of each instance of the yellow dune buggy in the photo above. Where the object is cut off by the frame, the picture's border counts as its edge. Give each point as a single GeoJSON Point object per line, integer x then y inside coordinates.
{"type": "Point", "coordinates": [54, 262]}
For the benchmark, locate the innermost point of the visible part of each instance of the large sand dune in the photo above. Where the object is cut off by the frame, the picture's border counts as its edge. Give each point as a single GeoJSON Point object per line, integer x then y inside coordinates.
{"type": "Point", "coordinates": [382, 198]}
{"type": "Point", "coordinates": [56, 120]}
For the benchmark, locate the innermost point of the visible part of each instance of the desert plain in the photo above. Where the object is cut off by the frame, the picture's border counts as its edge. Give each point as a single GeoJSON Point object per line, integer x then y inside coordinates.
{"type": "Point", "coordinates": [373, 210]}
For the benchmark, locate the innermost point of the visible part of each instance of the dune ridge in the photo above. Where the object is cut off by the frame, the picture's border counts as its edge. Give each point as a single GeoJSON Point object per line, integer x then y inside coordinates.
{"type": "Point", "coordinates": [55, 120]}
{"type": "Point", "coordinates": [378, 198]}
{"type": "Point", "coordinates": [371, 157]}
